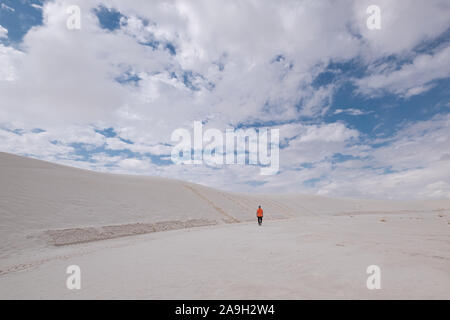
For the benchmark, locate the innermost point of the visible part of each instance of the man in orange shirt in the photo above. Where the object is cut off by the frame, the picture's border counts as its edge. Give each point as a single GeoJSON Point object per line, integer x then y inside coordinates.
{"type": "Point", "coordinates": [259, 214]}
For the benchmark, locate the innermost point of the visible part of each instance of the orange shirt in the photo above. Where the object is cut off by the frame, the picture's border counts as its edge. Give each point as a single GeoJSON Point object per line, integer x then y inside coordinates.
{"type": "Point", "coordinates": [259, 212]}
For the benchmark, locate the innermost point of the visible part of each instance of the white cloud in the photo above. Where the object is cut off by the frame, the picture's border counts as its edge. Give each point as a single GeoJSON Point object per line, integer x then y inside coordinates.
{"type": "Point", "coordinates": [134, 165]}
{"type": "Point", "coordinates": [412, 78]}
{"type": "Point", "coordinates": [420, 144]}
{"type": "Point", "coordinates": [250, 87]}
{"type": "Point", "coordinates": [3, 32]}
{"type": "Point", "coordinates": [404, 25]}
{"type": "Point", "coordinates": [36, 6]}
{"type": "Point", "coordinates": [350, 111]}
{"type": "Point", "coordinates": [334, 132]}
{"type": "Point", "coordinates": [118, 144]}
{"type": "Point", "coordinates": [415, 157]}
{"type": "Point", "coordinates": [250, 62]}
{"type": "Point", "coordinates": [7, 8]}
{"type": "Point", "coordinates": [9, 62]}
{"type": "Point", "coordinates": [32, 144]}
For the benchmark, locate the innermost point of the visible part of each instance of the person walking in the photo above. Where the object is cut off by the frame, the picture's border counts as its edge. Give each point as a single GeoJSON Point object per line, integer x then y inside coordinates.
{"type": "Point", "coordinates": [259, 215]}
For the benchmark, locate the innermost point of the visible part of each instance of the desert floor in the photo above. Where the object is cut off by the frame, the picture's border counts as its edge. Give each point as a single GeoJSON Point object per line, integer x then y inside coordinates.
{"type": "Point", "coordinates": [299, 258]}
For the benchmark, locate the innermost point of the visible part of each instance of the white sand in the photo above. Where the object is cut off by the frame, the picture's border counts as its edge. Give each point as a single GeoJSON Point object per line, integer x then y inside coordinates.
{"type": "Point", "coordinates": [308, 246]}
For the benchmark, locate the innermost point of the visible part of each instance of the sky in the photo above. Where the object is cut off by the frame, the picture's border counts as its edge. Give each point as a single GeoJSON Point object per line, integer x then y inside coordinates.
{"type": "Point", "coordinates": [362, 112]}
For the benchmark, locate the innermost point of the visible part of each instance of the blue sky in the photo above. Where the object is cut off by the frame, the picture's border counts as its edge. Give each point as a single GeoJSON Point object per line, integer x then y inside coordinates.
{"type": "Point", "coordinates": [361, 113]}
{"type": "Point", "coordinates": [18, 17]}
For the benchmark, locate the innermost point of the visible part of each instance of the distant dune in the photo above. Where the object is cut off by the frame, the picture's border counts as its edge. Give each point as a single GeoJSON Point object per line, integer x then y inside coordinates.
{"type": "Point", "coordinates": [45, 205]}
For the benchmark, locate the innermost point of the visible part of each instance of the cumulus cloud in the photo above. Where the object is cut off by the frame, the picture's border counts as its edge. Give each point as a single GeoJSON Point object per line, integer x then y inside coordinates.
{"type": "Point", "coordinates": [9, 61]}
{"type": "Point", "coordinates": [411, 163]}
{"type": "Point", "coordinates": [230, 63]}
{"type": "Point", "coordinates": [404, 25]}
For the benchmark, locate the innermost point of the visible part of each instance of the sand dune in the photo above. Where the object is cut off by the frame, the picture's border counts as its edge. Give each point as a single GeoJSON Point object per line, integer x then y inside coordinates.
{"type": "Point", "coordinates": [53, 215]}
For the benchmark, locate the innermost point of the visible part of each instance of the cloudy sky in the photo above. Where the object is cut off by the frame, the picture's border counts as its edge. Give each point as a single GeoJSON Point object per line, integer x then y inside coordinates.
{"type": "Point", "coordinates": [362, 113]}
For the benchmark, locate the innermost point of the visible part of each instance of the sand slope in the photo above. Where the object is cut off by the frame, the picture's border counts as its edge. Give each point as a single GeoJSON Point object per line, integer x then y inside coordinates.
{"type": "Point", "coordinates": [52, 216]}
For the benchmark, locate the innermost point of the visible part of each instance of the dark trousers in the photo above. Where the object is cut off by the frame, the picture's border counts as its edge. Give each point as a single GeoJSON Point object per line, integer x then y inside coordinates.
{"type": "Point", "coordinates": [260, 220]}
